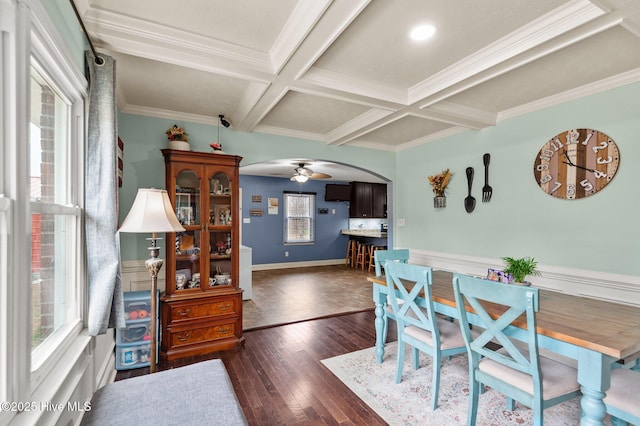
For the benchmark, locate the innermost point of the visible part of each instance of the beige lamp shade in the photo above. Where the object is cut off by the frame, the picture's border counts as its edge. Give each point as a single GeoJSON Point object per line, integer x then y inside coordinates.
{"type": "Point", "coordinates": [151, 212]}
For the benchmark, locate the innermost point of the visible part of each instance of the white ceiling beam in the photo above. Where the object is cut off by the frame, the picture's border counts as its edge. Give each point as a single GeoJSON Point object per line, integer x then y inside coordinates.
{"type": "Point", "coordinates": [335, 20]}
{"type": "Point", "coordinates": [459, 115]}
{"type": "Point", "coordinates": [298, 26]}
{"type": "Point", "coordinates": [560, 20]}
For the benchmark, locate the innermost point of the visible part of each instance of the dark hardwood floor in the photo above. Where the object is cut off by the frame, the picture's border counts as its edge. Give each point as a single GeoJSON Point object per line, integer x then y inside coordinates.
{"type": "Point", "coordinates": [278, 376]}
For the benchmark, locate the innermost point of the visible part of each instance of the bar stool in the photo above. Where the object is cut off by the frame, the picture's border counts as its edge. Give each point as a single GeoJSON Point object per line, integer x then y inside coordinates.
{"type": "Point", "coordinates": [371, 263]}
{"type": "Point", "coordinates": [351, 253]}
{"type": "Point", "coordinates": [362, 255]}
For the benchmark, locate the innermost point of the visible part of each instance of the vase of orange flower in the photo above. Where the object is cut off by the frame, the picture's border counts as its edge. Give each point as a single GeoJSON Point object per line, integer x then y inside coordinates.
{"type": "Point", "coordinates": [178, 138]}
{"type": "Point", "coordinates": [439, 184]}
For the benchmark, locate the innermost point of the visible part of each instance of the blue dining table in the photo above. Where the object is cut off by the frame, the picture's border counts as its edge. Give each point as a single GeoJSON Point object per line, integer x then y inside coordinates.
{"type": "Point", "coordinates": [595, 333]}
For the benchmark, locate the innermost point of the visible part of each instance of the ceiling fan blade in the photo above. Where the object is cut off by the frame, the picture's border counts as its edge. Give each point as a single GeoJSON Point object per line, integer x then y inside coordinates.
{"type": "Point", "coordinates": [320, 176]}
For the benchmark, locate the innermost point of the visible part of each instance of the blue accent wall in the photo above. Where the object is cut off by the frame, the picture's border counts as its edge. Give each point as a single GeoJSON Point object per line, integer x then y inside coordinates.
{"type": "Point", "coordinates": [264, 234]}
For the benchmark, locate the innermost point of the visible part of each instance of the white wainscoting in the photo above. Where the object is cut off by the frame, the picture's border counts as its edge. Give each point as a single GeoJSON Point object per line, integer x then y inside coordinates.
{"type": "Point", "coordinates": [63, 396]}
{"type": "Point", "coordinates": [135, 276]}
{"type": "Point", "coordinates": [617, 288]}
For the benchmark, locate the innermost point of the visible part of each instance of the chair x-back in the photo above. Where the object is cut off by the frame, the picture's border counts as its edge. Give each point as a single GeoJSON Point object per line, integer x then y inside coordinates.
{"type": "Point", "coordinates": [419, 326]}
{"type": "Point", "coordinates": [380, 258]}
{"type": "Point", "coordinates": [525, 376]}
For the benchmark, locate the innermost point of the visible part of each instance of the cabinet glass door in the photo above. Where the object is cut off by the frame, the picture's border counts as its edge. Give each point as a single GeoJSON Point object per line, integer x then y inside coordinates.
{"type": "Point", "coordinates": [220, 230]}
{"type": "Point", "coordinates": [188, 243]}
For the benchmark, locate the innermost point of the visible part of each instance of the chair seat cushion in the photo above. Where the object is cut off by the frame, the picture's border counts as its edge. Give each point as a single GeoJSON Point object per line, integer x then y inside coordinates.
{"type": "Point", "coordinates": [557, 379]}
{"type": "Point", "coordinates": [624, 393]}
{"type": "Point", "coordinates": [450, 334]}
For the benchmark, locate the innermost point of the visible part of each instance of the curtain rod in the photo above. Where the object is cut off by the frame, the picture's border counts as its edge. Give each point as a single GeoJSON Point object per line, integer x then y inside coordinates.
{"type": "Point", "coordinates": [98, 59]}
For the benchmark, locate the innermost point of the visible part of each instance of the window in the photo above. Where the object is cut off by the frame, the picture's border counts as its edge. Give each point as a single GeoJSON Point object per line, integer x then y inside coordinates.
{"type": "Point", "coordinates": [54, 220]}
{"type": "Point", "coordinates": [299, 217]}
{"type": "Point", "coordinates": [41, 186]}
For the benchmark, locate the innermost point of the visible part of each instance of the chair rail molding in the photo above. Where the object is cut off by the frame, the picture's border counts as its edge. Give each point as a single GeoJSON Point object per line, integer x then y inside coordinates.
{"type": "Point", "coordinates": [618, 288]}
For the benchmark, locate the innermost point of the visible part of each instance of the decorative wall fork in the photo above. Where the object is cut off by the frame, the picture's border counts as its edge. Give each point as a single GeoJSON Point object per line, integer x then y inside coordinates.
{"type": "Point", "coordinates": [486, 189]}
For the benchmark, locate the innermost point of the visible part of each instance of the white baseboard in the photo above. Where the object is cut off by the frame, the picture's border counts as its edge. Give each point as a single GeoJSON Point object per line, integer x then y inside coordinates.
{"type": "Point", "coordinates": [616, 288]}
{"type": "Point", "coordinates": [285, 265]}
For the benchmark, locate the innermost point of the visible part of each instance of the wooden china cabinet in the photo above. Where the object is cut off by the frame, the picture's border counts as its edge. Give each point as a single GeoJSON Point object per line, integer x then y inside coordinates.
{"type": "Point", "coordinates": [202, 306]}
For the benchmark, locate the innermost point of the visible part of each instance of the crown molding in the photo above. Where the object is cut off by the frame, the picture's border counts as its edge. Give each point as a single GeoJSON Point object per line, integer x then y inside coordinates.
{"type": "Point", "coordinates": [168, 114]}
{"type": "Point", "coordinates": [573, 94]}
{"type": "Point", "coordinates": [126, 34]}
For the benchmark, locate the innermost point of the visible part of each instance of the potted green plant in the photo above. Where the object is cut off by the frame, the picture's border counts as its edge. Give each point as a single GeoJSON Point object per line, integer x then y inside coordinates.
{"type": "Point", "coordinates": [521, 268]}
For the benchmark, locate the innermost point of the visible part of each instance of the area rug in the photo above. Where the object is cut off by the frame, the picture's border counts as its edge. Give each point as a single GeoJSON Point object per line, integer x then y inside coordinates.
{"type": "Point", "coordinates": [407, 403]}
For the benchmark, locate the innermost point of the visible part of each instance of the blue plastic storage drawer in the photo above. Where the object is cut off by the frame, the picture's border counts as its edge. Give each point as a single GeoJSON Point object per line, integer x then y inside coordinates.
{"type": "Point", "coordinates": [134, 332]}
{"type": "Point", "coordinates": [137, 305]}
{"type": "Point", "coordinates": [132, 356]}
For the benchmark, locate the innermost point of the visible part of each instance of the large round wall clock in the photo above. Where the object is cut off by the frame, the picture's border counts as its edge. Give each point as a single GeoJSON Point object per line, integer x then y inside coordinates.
{"type": "Point", "coordinates": [576, 163]}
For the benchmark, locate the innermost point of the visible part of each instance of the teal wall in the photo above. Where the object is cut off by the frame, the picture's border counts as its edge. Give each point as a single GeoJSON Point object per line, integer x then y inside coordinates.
{"type": "Point", "coordinates": [600, 232]}
{"type": "Point", "coordinates": [596, 233]}
{"type": "Point", "coordinates": [66, 22]}
{"type": "Point", "coordinates": [144, 137]}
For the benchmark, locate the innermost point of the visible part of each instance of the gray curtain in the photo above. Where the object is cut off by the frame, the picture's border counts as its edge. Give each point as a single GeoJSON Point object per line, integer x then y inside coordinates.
{"type": "Point", "coordinates": [106, 305]}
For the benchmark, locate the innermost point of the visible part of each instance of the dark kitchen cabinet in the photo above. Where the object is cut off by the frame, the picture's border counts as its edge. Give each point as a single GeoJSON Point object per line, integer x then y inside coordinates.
{"type": "Point", "coordinates": [368, 200]}
{"type": "Point", "coordinates": [379, 201]}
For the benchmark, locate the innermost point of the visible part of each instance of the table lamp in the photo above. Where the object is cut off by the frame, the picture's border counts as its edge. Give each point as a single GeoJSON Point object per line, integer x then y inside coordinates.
{"type": "Point", "coordinates": [153, 213]}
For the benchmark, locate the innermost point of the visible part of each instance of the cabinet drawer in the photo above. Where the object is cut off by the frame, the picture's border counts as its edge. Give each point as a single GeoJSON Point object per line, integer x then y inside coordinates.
{"type": "Point", "coordinates": [189, 311]}
{"type": "Point", "coordinates": [209, 333]}
{"type": "Point", "coordinates": [134, 332]}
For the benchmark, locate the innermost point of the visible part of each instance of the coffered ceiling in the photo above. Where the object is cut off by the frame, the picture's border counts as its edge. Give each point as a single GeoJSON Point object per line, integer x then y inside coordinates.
{"type": "Point", "coordinates": [346, 71]}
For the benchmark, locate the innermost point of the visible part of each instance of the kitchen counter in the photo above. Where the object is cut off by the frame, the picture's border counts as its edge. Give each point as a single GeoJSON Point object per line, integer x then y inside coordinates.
{"type": "Point", "coordinates": [368, 233]}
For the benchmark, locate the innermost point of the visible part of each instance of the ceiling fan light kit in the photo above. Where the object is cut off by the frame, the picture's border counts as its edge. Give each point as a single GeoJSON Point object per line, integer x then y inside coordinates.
{"type": "Point", "coordinates": [302, 174]}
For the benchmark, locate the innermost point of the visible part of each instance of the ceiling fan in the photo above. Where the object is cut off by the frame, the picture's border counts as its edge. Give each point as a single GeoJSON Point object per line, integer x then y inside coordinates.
{"type": "Point", "coordinates": [302, 174]}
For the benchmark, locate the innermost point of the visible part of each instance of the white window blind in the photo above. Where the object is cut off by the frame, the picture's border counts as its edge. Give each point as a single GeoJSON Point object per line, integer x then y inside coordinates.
{"type": "Point", "coordinates": [299, 217]}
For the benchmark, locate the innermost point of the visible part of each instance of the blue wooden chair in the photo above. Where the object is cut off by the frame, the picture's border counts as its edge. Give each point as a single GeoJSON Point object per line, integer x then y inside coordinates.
{"type": "Point", "coordinates": [420, 327]}
{"type": "Point", "coordinates": [623, 397]}
{"type": "Point", "coordinates": [523, 376]}
{"type": "Point", "coordinates": [379, 258]}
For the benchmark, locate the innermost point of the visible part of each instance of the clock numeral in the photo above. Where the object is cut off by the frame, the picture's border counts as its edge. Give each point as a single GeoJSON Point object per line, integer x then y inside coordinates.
{"type": "Point", "coordinates": [586, 141]}
{"type": "Point", "coordinates": [588, 186]}
{"type": "Point", "coordinates": [556, 144]}
{"type": "Point", "coordinates": [598, 174]}
{"type": "Point", "coordinates": [601, 160]}
{"type": "Point", "coordinates": [545, 179]}
{"type": "Point", "coordinates": [556, 187]}
{"type": "Point", "coordinates": [602, 145]}
{"type": "Point", "coordinates": [546, 154]}
{"type": "Point", "coordinates": [571, 190]}
{"type": "Point", "coordinates": [542, 167]}
{"type": "Point", "coordinates": [572, 137]}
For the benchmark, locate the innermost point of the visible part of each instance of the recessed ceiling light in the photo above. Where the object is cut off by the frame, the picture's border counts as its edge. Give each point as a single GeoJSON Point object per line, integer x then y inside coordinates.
{"type": "Point", "coordinates": [423, 32]}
